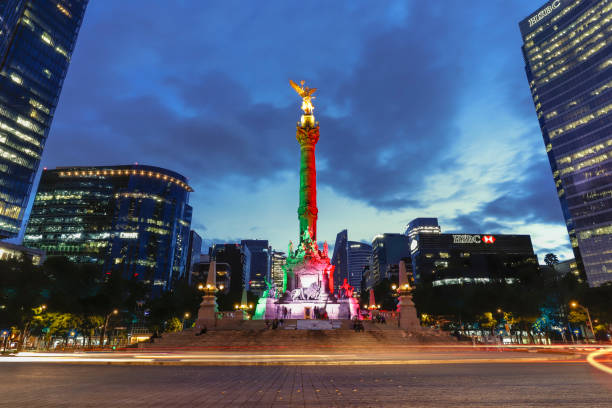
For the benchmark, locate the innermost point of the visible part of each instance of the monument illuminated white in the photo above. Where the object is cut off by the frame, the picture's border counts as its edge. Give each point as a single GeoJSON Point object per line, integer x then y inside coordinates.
{"type": "Point", "coordinates": [308, 279]}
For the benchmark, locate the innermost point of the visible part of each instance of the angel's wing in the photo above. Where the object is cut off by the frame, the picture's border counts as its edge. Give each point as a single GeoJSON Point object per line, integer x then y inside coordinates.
{"type": "Point", "coordinates": [297, 88]}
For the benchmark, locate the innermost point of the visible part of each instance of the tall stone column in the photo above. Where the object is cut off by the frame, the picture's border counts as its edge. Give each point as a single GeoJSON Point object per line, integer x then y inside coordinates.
{"type": "Point", "coordinates": [308, 136]}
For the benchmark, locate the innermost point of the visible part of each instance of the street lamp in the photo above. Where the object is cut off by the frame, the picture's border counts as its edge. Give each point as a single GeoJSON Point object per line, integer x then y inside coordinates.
{"type": "Point", "coordinates": [574, 305]}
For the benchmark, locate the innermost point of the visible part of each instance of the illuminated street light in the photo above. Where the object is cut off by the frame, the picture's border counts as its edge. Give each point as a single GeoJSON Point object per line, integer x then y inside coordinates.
{"type": "Point", "coordinates": [574, 305]}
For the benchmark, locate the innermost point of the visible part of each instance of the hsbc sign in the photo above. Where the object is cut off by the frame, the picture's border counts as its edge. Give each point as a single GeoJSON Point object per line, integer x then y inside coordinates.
{"type": "Point", "coordinates": [473, 239]}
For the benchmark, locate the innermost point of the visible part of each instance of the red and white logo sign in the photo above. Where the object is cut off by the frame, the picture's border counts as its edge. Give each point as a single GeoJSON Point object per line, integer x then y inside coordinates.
{"type": "Point", "coordinates": [488, 239]}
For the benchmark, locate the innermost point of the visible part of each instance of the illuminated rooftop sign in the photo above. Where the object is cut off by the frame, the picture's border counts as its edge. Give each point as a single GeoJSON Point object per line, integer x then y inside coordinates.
{"type": "Point", "coordinates": [473, 239]}
{"type": "Point", "coordinates": [544, 12]}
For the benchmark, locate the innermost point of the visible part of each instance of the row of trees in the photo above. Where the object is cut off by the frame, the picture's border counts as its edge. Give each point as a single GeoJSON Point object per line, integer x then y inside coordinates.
{"type": "Point", "coordinates": [541, 304]}
{"type": "Point", "coordinates": [61, 299]}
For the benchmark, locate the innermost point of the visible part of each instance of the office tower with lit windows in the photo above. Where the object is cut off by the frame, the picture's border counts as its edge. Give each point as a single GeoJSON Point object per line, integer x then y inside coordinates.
{"type": "Point", "coordinates": [359, 255]}
{"type": "Point", "coordinates": [458, 259]}
{"type": "Point", "coordinates": [134, 219]}
{"type": "Point", "coordinates": [349, 258]}
{"type": "Point", "coordinates": [277, 261]}
{"type": "Point", "coordinates": [36, 41]}
{"type": "Point", "coordinates": [256, 264]}
{"type": "Point", "coordinates": [422, 225]}
{"type": "Point", "coordinates": [568, 59]}
{"type": "Point", "coordinates": [387, 250]}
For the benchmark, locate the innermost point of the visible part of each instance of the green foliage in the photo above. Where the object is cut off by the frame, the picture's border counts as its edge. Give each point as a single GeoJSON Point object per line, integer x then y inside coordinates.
{"type": "Point", "coordinates": [577, 316]}
{"type": "Point", "coordinates": [173, 325]}
{"type": "Point", "coordinates": [182, 299]}
{"type": "Point", "coordinates": [551, 259]}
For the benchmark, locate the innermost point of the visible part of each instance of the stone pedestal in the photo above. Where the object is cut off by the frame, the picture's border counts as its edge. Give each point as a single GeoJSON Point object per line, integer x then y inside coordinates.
{"type": "Point", "coordinates": [207, 316]}
{"type": "Point", "coordinates": [408, 319]}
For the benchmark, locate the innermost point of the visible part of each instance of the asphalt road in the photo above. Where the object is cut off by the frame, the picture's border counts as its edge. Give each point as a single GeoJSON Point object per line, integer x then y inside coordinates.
{"type": "Point", "coordinates": [435, 381]}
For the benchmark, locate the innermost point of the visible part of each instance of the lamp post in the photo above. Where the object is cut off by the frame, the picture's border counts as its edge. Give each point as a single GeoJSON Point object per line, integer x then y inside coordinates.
{"type": "Point", "coordinates": [574, 305]}
{"type": "Point", "coordinates": [185, 317]}
{"type": "Point", "coordinates": [108, 316]}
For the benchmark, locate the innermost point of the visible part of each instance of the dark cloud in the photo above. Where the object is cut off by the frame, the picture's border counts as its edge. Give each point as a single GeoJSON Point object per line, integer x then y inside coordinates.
{"type": "Point", "coordinates": [205, 93]}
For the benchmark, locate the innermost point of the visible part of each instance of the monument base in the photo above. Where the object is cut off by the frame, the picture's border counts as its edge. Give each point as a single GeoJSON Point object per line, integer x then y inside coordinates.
{"type": "Point", "coordinates": [270, 308]}
{"type": "Point", "coordinates": [408, 319]}
{"type": "Point", "coordinates": [207, 316]}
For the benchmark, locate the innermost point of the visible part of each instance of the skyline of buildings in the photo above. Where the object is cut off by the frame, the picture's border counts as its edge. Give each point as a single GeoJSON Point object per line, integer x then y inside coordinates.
{"type": "Point", "coordinates": [568, 61]}
{"type": "Point", "coordinates": [593, 241]}
{"type": "Point", "coordinates": [36, 42]}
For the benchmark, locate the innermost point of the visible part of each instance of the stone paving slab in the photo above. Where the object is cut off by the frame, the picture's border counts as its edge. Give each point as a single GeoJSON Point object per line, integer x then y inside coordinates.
{"type": "Point", "coordinates": [486, 385]}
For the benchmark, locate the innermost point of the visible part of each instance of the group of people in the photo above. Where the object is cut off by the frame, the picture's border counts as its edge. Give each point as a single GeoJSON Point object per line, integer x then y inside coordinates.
{"type": "Point", "coordinates": [379, 319]}
{"type": "Point", "coordinates": [274, 324]}
{"type": "Point", "coordinates": [320, 314]}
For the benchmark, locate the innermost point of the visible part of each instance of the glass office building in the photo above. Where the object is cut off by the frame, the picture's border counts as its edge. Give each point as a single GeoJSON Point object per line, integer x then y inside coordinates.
{"type": "Point", "coordinates": [36, 42]}
{"type": "Point", "coordinates": [349, 258]}
{"type": "Point", "coordinates": [135, 219]}
{"type": "Point", "coordinates": [256, 264]}
{"type": "Point", "coordinates": [568, 59]}
{"type": "Point", "coordinates": [359, 255]}
{"type": "Point", "coordinates": [387, 250]}
{"type": "Point", "coordinates": [457, 259]}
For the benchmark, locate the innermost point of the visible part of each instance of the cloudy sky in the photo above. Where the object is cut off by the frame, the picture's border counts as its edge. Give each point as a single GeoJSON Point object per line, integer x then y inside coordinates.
{"type": "Point", "coordinates": [424, 109]}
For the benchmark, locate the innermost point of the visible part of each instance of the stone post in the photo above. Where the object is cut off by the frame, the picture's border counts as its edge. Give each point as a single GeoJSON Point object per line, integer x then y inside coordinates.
{"type": "Point", "coordinates": [207, 314]}
{"type": "Point", "coordinates": [408, 319]}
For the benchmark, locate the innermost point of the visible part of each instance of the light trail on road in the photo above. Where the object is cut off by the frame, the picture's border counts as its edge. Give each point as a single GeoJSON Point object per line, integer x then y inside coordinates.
{"type": "Point", "coordinates": [591, 358]}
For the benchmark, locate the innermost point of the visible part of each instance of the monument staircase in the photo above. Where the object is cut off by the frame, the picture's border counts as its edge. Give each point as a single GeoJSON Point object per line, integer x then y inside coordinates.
{"type": "Point", "coordinates": [254, 336]}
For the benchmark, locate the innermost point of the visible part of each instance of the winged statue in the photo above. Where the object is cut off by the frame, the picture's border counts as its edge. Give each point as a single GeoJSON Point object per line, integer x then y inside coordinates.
{"type": "Point", "coordinates": [306, 94]}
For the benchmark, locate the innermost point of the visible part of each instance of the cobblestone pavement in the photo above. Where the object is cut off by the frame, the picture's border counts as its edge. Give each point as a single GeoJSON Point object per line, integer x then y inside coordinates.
{"type": "Point", "coordinates": [481, 385]}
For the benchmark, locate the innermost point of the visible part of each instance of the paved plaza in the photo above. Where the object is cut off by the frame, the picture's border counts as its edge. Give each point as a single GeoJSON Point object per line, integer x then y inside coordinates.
{"type": "Point", "coordinates": [479, 382]}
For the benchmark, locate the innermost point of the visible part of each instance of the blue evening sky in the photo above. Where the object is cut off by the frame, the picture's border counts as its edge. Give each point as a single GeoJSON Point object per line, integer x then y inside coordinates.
{"type": "Point", "coordinates": [424, 108]}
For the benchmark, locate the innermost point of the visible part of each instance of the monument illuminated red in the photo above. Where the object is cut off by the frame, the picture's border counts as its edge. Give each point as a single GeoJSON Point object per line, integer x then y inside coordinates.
{"type": "Point", "coordinates": [308, 280]}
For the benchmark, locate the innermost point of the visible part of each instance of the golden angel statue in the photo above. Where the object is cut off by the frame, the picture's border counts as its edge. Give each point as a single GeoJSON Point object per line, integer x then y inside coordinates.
{"type": "Point", "coordinates": [306, 94]}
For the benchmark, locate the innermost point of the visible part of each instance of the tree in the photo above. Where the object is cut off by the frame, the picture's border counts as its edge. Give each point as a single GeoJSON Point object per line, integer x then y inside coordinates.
{"type": "Point", "coordinates": [174, 325]}
{"type": "Point", "coordinates": [22, 287]}
{"type": "Point", "coordinates": [551, 259]}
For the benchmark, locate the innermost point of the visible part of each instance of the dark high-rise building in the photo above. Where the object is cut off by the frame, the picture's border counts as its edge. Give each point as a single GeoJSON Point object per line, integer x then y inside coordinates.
{"type": "Point", "coordinates": [456, 259]}
{"type": "Point", "coordinates": [256, 264]}
{"type": "Point", "coordinates": [340, 259]}
{"type": "Point", "coordinates": [194, 251]}
{"type": "Point", "coordinates": [133, 219]}
{"type": "Point", "coordinates": [349, 258]}
{"type": "Point", "coordinates": [387, 250]}
{"type": "Point", "coordinates": [568, 60]}
{"type": "Point", "coordinates": [422, 225]}
{"type": "Point", "coordinates": [231, 255]}
{"type": "Point", "coordinates": [36, 42]}
{"type": "Point", "coordinates": [358, 257]}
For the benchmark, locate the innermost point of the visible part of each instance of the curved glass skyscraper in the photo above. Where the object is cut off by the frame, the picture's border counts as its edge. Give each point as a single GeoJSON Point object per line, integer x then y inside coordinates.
{"type": "Point", "coordinates": [135, 219]}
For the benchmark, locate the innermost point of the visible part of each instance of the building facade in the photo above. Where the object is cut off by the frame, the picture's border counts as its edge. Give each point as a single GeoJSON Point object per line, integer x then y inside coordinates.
{"type": "Point", "coordinates": [230, 254]}
{"type": "Point", "coordinates": [277, 261]}
{"type": "Point", "coordinates": [568, 53]}
{"type": "Point", "coordinates": [387, 250]}
{"type": "Point", "coordinates": [456, 259]}
{"type": "Point", "coordinates": [359, 255]}
{"type": "Point", "coordinates": [135, 219]}
{"type": "Point", "coordinates": [36, 41]}
{"type": "Point", "coordinates": [340, 259]}
{"type": "Point", "coordinates": [194, 253]}
{"type": "Point", "coordinates": [255, 264]}
{"type": "Point", "coordinates": [10, 251]}
{"type": "Point", "coordinates": [422, 225]}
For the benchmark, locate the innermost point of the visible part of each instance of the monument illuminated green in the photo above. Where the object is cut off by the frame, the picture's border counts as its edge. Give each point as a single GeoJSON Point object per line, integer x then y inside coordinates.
{"type": "Point", "coordinates": [308, 273]}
